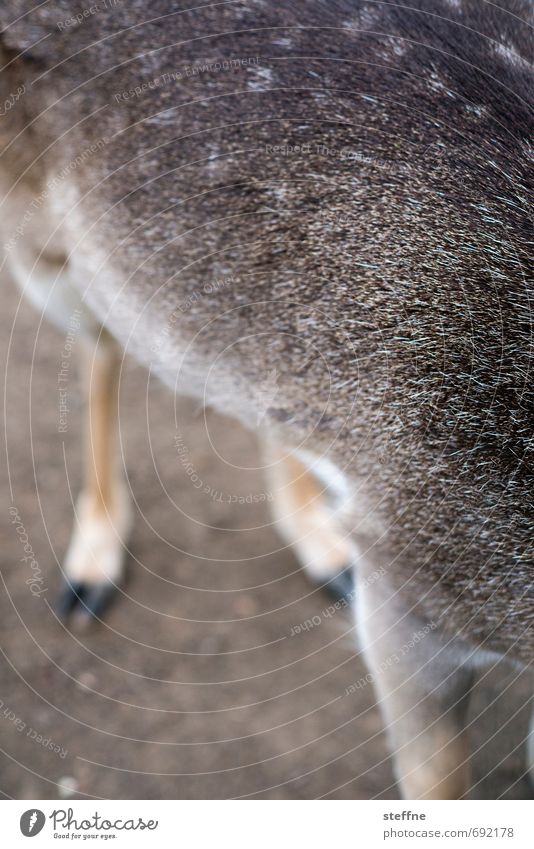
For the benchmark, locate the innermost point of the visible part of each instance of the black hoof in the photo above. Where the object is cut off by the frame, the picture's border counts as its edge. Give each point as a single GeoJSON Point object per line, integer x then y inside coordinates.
{"type": "Point", "coordinates": [342, 586]}
{"type": "Point", "coordinates": [69, 597]}
{"type": "Point", "coordinates": [85, 602]}
{"type": "Point", "coordinates": [95, 601]}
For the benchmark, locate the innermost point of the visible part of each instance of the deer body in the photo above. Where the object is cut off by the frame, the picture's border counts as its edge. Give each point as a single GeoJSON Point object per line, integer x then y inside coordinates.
{"type": "Point", "coordinates": [335, 209]}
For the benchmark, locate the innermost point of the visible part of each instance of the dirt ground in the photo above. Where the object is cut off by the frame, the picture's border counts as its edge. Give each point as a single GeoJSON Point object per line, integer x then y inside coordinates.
{"type": "Point", "coordinates": [193, 686]}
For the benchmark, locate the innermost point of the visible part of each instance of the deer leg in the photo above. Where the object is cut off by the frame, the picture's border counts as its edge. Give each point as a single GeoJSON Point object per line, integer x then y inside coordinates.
{"type": "Point", "coordinates": [530, 749]}
{"type": "Point", "coordinates": [306, 517]}
{"type": "Point", "coordinates": [422, 686]}
{"type": "Point", "coordinates": [94, 562]}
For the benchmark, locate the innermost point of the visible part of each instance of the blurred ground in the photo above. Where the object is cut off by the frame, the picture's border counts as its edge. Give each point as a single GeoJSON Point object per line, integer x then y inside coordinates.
{"type": "Point", "coordinates": [193, 687]}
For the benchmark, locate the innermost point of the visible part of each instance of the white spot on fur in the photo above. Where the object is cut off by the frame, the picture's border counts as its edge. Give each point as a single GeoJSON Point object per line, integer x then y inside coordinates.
{"type": "Point", "coordinates": [399, 47]}
{"type": "Point", "coordinates": [214, 162]}
{"type": "Point", "coordinates": [265, 79]}
{"type": "Point", "coordinates": [505, 51]}
{"type": "Point", "coordinates": [438, 85]}
{"type": "Point", "coordinates": [366, 19]}
{"type": "Point", "coordinates": [247, 9]}
{"type": "Point", "coordinates": [392, 47]}
{"type": "Point", "coordinates": [283, 42]}
{"type": "Point", "coordinates": [163, 119]}
{"type": "Point", "coordinates": [435, 82]}
{"type": "Point", "coordinates": [479, 111]}
{"type": "Point", "coordinates": [279, 192]}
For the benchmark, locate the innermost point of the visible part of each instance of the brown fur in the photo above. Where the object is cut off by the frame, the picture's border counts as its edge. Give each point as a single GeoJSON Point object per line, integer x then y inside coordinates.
{"type": "Point", "coordinates": [390, 286]}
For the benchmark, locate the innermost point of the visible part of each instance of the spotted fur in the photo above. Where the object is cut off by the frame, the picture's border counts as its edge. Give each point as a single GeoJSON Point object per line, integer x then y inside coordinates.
{"type": "Point", "coordinates": [364, 172]}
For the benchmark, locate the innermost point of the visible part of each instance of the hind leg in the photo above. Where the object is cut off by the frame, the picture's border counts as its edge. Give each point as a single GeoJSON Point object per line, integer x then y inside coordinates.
{"type": "Point", "coordinates": [530, 749]}
{"type": "Point", "coordinates": [306, 510]}
{"type": "Point", "coordinates": [422, 686]}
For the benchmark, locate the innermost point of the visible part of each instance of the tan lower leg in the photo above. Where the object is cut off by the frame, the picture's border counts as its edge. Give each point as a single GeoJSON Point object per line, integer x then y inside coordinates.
{"type": "Point", "coordinates": [103, 516]}
{"type": "Point", "coordinates": [101, 365]}
{"type": "Point", "coordinates": [304, 517]}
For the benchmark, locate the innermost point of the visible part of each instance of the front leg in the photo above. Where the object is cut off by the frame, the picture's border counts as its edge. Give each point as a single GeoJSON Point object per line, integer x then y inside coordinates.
{"type": "Point", "coordinates": [422, 685]}
{"type": "Point", "coordinates": [94, 563]}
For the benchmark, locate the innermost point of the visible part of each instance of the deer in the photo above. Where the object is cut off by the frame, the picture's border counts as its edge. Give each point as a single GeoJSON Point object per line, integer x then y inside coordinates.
{"type": "Point", "coordinates": [357, 174]}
